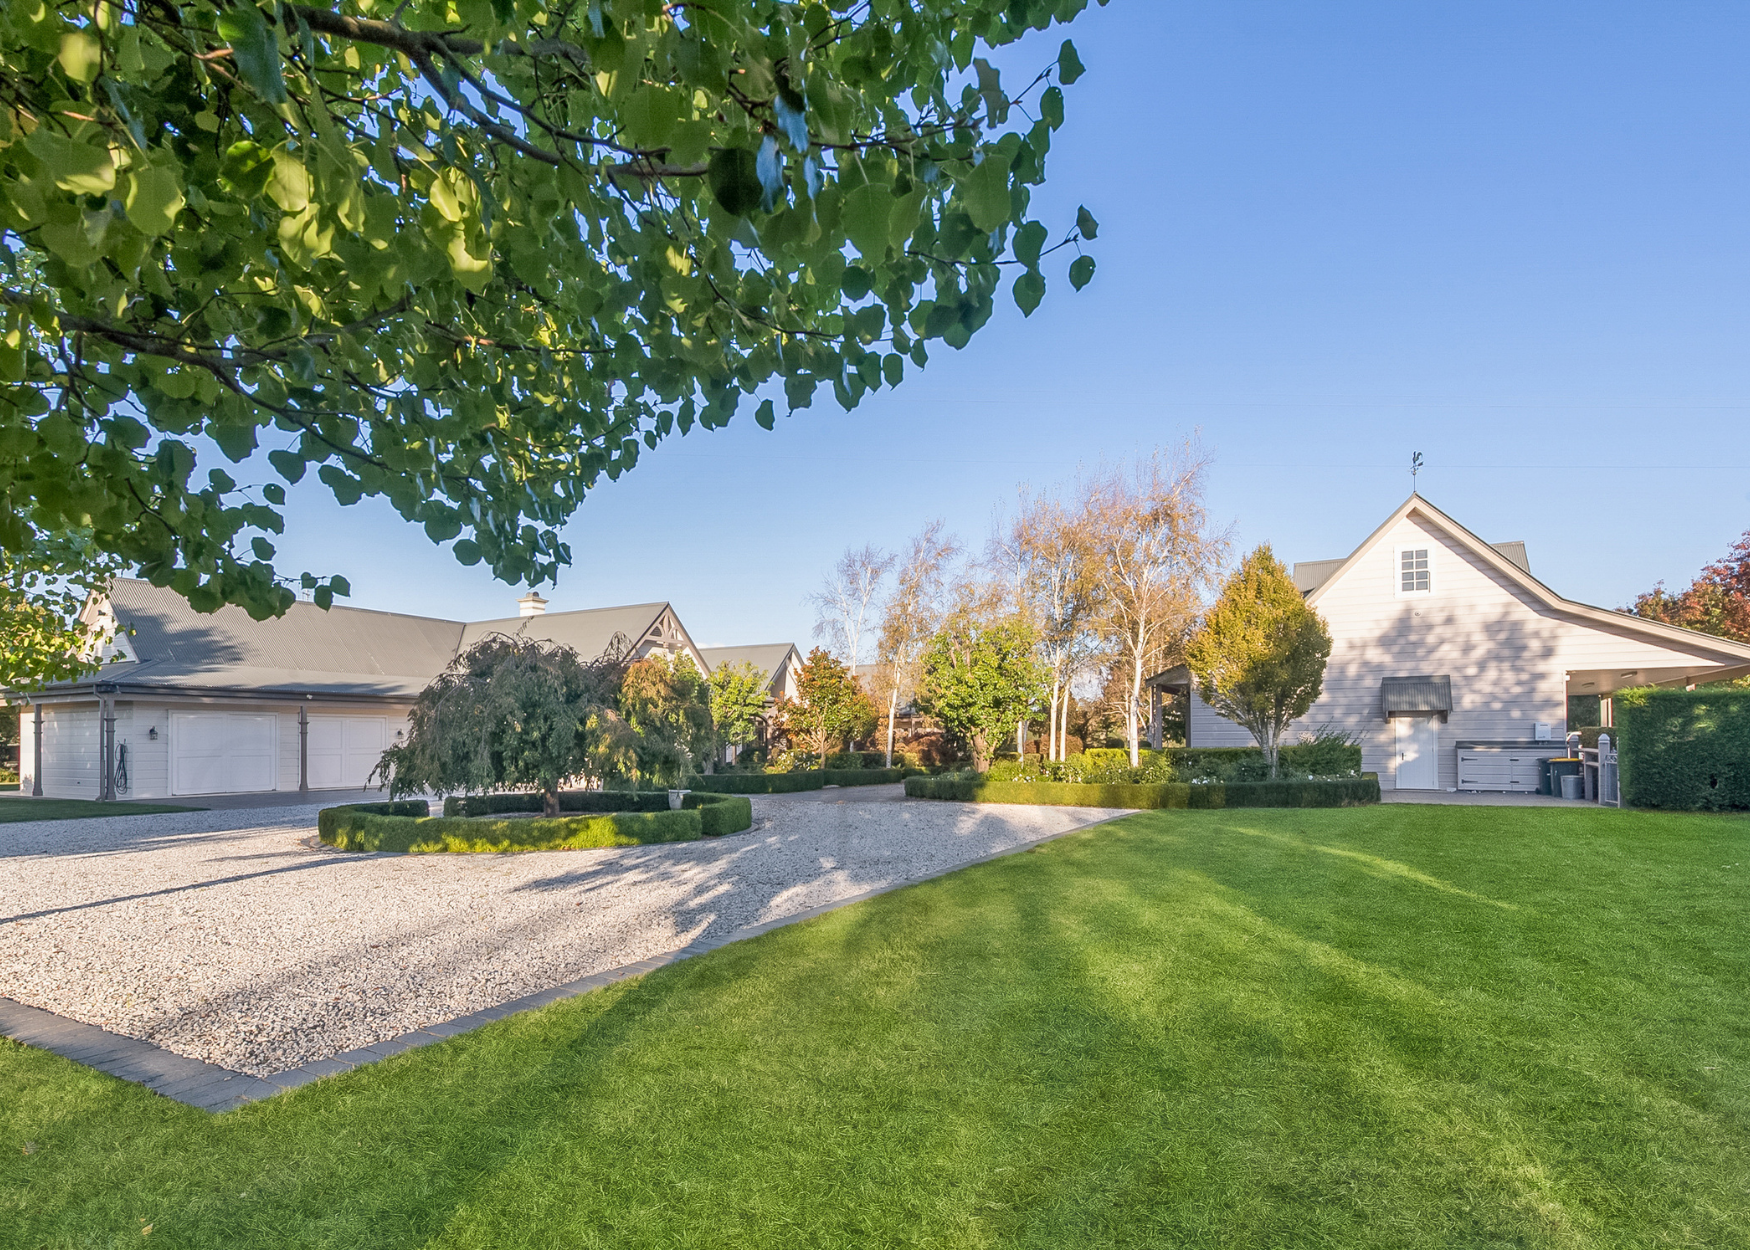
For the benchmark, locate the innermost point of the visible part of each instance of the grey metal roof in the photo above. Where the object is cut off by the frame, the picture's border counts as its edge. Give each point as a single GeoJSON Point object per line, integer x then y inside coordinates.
{"type": "Point", "coordinates": [342, 652]}
{"type": "Point", "coordinates": [1309, 575]}
{"type": "Point", "coordinates": [1415, 694]}
{"type": "Point", "coordinates": [587, 632]}
{"type": "Point", "coordinates": [768, 657]}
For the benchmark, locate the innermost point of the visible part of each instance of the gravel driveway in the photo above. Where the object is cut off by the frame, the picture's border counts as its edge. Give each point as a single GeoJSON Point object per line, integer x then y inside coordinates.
{"type": "Point", "coordinates": [220, 935]}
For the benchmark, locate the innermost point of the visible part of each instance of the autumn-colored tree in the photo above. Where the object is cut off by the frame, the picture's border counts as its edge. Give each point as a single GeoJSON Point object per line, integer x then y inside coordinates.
{"type": "Point", "coordinates": [1049, 555]}
{"type": "Point", "coordinates": [1154, 553]}
{"type": "Point", "coordinates": [1717, 602]}
{"type": "Point", "coordinates": [1259, 658]}
{"type": "Point", "coordinates": [909, 618]}
{"type": "Point", "coordinates": [830, 708]}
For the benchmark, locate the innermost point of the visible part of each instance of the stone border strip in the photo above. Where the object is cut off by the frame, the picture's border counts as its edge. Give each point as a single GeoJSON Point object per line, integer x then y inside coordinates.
{"type": "Point", "coordinates": [213, 1088]}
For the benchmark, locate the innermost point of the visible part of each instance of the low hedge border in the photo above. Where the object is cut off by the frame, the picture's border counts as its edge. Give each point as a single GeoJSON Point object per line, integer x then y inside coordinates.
{"type": "Point", "coordinates": [793, 783]}
{"type": "Point", "coordinates": [604, 818]}
{"type": "Point", "coordinates": [1339, 793]}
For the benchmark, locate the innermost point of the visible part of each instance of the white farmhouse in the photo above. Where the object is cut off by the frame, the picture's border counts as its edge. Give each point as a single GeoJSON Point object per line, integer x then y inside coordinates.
{"type": "Point", "coordinates": [1452, 665]}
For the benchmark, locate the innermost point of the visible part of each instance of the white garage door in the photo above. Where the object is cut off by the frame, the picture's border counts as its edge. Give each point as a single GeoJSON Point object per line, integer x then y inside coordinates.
{"type": "Point", "coordinates": [344, 749]}
{"type": "Point", "coordinates": [222, 752]}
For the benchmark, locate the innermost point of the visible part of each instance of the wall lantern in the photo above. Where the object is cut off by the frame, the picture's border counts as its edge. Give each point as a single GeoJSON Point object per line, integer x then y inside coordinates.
{"type": "Point", "coordinates": [152, 734]}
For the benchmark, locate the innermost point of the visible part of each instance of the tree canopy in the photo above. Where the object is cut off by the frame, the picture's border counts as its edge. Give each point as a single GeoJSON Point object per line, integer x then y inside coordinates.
{"type": "Point", "coordinates": [981, 680]}
{"type": "Point", "coordinates": [1259, 658]}
{"type": "Point", "coordinates": [739, 693]}
{"type": "Point", "coordinates": [667, 702]}
{"type": "Point", "coordinates": [1717, 602]}
{"type": "Point", "coordinates": [830, 708]}
{"type": "Point", "coordinates": [473, 255]}
{"type": "Point", "coordinates": [513, 713]}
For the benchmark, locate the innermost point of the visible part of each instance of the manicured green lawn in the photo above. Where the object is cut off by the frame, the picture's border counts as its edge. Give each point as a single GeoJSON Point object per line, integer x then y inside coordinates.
{"type": "Point", "coordinates": [1384, 1027]}
{"type": "Point", "coordinates": [14, 810]}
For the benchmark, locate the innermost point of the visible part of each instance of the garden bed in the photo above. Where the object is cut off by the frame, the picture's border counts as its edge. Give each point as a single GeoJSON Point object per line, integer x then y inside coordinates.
{"type": "Point", "coordinates": [1335, 792]}
{"type": "Point", "coordinates": [593, 818]}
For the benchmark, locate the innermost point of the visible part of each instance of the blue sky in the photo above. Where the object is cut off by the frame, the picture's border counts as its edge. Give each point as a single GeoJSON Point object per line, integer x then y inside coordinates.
{"type": "Point", "coordinates": [1512, 236]}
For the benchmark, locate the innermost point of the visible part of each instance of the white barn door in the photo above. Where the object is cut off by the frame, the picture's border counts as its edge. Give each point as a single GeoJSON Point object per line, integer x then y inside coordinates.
{"type": "Point", "coordinates": [222, 752]}
{"type": "Point", "coordinates": [344, 749]}
{"type": "Point", "coordinates": [1418, 752]}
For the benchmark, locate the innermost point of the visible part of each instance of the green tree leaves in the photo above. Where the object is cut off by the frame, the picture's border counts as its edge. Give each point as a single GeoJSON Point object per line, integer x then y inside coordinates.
{"type": "Point", "coordinates": [735, 180]}
{"type": "Point", "coordinates": [473, 259]}
{"type": "Point", "coordinates": [254, 49]}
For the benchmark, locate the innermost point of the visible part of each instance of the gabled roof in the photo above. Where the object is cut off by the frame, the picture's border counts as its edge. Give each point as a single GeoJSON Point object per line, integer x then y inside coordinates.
{"type": "Point", "coordinates": [769, 657]}
{"type": "Point", "coordinates": [1515, 572]}
{"type": "Point", "coordinates": [342, 652]}
{"type": "Point", "coordinates": [1309, 575]}
{"type": "Point", "coordinates": [587, 632]}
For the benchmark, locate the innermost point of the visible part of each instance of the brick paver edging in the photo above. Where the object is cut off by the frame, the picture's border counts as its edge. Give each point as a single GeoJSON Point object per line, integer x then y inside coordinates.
{"type": "Point", "coordinates": [212, 1088]}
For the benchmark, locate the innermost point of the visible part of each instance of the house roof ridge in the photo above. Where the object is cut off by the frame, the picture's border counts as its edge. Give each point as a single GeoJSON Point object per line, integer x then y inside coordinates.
{"type": "Point", "coordinates": [1528, 581]}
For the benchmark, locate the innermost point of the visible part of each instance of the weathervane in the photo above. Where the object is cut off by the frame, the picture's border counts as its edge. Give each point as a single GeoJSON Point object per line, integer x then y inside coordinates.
{"type": "Point", "coordinates": [1415, 468]}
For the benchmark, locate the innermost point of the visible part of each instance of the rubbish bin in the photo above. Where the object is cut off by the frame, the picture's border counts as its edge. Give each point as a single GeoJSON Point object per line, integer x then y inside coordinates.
{"type": "Point", "coordinates": [1559, 768]}
{"type": "Point", "coordinates": [1570, 786]}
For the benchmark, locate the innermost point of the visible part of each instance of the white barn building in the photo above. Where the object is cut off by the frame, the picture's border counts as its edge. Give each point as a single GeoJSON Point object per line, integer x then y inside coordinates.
{"type": "Point", "coordinates": [1452, 664]}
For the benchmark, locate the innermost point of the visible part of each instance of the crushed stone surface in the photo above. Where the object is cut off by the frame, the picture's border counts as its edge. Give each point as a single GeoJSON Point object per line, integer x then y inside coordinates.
{"type": "Point", "coordinates": [227, 937]}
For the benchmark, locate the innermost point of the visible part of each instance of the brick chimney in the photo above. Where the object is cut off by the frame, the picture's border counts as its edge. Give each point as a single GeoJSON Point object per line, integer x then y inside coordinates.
{"type": "Point", "coordinates": [531, 604]}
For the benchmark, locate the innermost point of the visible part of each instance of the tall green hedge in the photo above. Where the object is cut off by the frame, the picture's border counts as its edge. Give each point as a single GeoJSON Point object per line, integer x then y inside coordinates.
{"type": "Point", "coordinates": [1685, 750]}
{"type": "Point", "coordinates": [1142, 797]}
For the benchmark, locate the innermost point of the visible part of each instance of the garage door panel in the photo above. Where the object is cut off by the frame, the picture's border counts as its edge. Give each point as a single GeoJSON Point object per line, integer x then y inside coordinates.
{"type": "Point", "coordinates": [222, 752]}
{"type": "Point", "coordinates": [344, 750]}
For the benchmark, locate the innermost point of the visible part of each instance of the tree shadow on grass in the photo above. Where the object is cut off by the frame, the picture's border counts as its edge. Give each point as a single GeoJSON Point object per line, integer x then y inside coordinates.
{"type": "Point", "coordinates": [1160, 1033]}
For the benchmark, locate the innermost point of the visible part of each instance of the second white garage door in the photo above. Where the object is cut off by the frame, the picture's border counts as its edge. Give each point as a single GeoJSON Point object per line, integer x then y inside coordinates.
{"type": "Point", "coordinates": [344, 749]}
{"type": "Point", "coordinates": [222, 752]}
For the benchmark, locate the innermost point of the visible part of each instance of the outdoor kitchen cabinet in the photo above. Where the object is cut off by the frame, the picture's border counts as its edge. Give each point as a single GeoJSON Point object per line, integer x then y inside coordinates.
{"type": "Point", "coordinates": [1511, 767]}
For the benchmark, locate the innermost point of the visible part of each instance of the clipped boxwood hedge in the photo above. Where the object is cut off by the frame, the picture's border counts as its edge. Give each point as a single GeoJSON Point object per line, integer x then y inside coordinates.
{"type": "Point", "coordinates": [1140, 797]}
{"type": "Point", "coordinates": [1684, 750]}
{"type": "Point", "coordinates": [603, 818]}
{"type": "Point", "coordinates": [861, 776]}
{"type": "Point", "coordinates": [792, 783]}
{"type": "Point", "coordinates": [755, 783]}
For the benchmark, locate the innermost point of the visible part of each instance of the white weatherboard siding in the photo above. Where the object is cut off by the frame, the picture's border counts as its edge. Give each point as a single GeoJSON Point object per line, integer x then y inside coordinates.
{"type": "Point", "coordinates": [1507, 650]}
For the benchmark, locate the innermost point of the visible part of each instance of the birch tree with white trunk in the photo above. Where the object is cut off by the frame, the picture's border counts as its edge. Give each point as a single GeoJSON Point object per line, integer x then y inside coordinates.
{"type": "Point", "coordinates": [1054, 565]}
{"type": "Point", "coordinates": [1154, 551]}
{"type": "Point", "coordinates": [911, 615]}
{"type": "Point", "coordinates": [844, 606]}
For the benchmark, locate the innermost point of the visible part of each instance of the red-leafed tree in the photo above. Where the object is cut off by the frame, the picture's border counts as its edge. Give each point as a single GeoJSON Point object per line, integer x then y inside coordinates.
{"type": "Point", "coordinates": [1717, 602]}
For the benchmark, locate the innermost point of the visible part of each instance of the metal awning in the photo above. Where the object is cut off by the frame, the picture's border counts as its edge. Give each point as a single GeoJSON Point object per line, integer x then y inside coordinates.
{"type": "Point", "coordinates": [1408, 695]}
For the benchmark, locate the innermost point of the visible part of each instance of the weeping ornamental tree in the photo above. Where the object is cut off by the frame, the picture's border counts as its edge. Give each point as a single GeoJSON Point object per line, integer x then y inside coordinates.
{"type": "Point", "coordinates": [1259, 658]}
{"type": "Point", "coordinates": [473, 255]}
{"type": "Point", "coordinates": [515, 714]}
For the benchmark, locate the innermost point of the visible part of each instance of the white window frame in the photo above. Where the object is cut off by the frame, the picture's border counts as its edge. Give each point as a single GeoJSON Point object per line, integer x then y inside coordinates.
{"type": "Point", "coordinates": [1397, 570]}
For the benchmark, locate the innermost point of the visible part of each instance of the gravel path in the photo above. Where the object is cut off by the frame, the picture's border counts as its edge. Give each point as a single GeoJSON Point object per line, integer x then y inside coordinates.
{"type": "Point", "coordinates": [221, 936]}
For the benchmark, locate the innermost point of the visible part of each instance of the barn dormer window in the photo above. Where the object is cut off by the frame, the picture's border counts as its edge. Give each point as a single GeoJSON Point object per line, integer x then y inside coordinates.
{"type": "Point", "coordinates": [1415, 571]}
